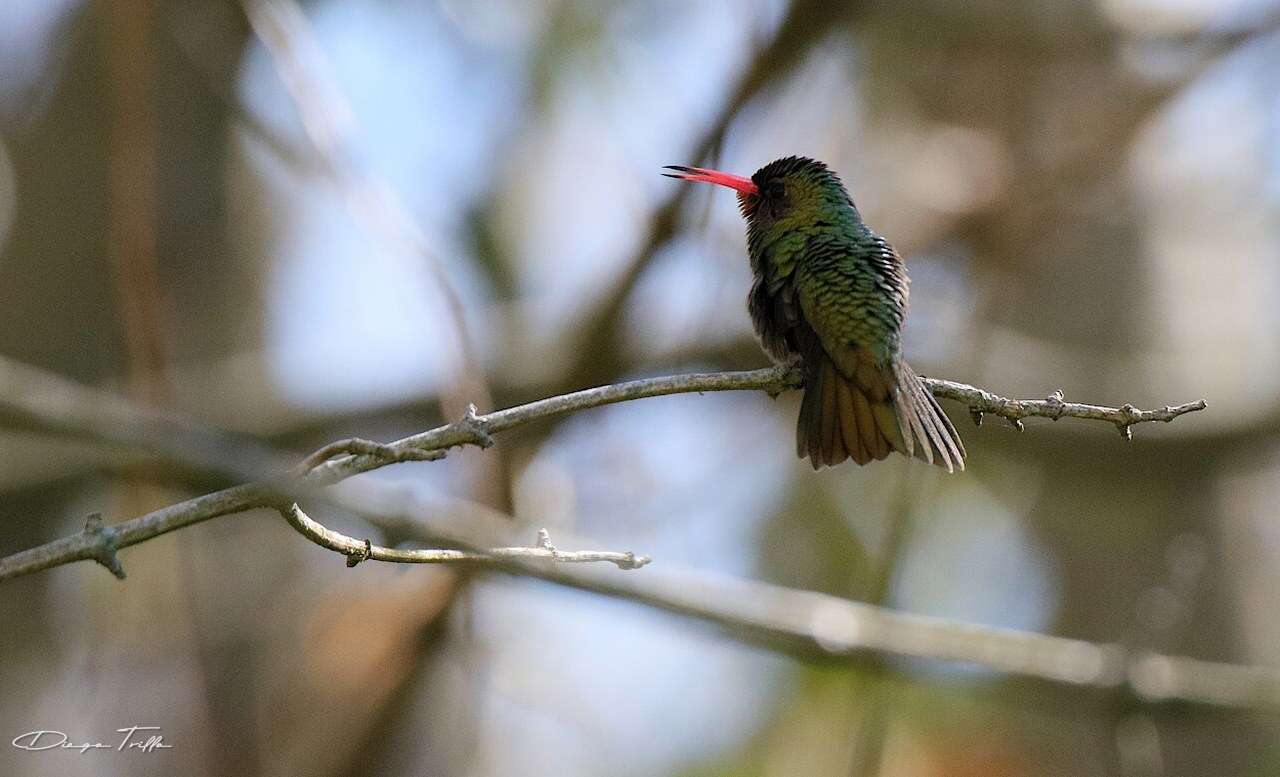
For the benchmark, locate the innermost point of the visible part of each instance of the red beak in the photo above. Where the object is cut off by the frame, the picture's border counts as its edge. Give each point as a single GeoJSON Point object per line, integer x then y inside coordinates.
{"type": "Point", "coordinates": [743, 186]}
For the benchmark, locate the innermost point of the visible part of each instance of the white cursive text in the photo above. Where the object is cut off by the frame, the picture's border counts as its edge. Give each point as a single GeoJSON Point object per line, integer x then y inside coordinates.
{"type": "Point", "coordinates": [134, 738]}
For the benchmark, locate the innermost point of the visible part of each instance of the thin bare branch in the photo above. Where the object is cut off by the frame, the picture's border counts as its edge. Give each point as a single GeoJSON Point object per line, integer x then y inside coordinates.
{"type": "Point", "coordinates": [1053, 407]}
{"type": "Point", "coordinates": [364, 550]}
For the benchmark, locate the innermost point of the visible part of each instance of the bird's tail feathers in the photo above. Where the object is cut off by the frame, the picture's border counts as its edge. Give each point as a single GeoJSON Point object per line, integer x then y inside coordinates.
{"type": "Point", "coordinates": [926, 430]}
{"type": "Point", "coordinates": [841, 419]}
{"type": "Point", "coordinates": [870, 415]}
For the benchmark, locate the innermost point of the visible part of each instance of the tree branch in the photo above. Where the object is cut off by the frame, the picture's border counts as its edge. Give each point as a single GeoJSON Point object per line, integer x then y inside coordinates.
{"type": "Point", "coordinates": [803, 623]}
{"type": "Point", "coordinates": [48, 401]}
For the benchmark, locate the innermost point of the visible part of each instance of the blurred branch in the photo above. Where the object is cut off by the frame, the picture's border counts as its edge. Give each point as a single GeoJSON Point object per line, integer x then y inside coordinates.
{"type": "Point", "coordinates": [131, 196]}
{"type": "Point", "coordinates": [870, 696]}
{"type": "Point", "coordinates": [827, 628]}
{"type": "Point", "coordinates": [799, 622]}
{"type": "Point", "coordinates": [328, 121]}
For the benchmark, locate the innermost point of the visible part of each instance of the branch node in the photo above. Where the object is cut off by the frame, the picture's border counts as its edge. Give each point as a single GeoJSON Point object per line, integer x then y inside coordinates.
{"type": "Point", "coordinates": [363, 554]}
{"type": "Point", "coordinates": [476, 429]}
{"type": "Point", "coordinates": [631, 560]}
{"type": "Point", "coordinates": [1057, 403]}
{"type": "Point", "coordinates": [544, 543]}
{"type": "Point", "coordinates": [357, 446]}
{"type": "Point", "coordinates": [790, 376]}
{"type": "Point", "coordinates": [1132, 415]}
{"type": "Point", "coordinates": [417, 454]}
{"type": "Point", "coordinates": [104, 541]}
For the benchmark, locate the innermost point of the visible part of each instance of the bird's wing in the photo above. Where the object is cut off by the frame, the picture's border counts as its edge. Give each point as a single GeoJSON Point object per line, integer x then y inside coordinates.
{"type": "Point", "coordinates": [853, 292]}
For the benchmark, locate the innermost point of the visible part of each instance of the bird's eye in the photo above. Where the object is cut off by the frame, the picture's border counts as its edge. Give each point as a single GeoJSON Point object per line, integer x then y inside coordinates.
{"type": "Point", "coordinates": [776, 190]}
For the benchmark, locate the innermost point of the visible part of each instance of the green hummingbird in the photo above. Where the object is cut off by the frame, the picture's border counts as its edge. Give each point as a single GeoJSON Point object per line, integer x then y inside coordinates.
{"type": "Point", "coordinates": [832, 293]}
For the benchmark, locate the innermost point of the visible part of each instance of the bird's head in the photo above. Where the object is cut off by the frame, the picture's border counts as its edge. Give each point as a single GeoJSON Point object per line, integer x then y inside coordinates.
{"type": "Point", "coordinates": [789, 193]}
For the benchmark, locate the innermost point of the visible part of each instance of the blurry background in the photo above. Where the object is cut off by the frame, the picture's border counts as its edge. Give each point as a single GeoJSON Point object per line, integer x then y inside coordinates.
{"type": "Point", "coordinates": [246, 212]}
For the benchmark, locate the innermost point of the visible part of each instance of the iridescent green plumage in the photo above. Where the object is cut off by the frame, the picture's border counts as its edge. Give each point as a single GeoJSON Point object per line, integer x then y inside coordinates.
{"type": "Point", "coordinates": [833, 293]}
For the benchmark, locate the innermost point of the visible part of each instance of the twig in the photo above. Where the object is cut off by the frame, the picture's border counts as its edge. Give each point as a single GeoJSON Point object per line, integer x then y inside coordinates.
{"type": "Point", "coordinates": [364, 550]}
{"type": "Point", "coordinates": [1053, 407]}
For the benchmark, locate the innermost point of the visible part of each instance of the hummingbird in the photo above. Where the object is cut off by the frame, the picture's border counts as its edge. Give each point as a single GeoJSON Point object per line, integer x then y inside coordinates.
{"type": "Point", "coordinates": [831, 293]}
